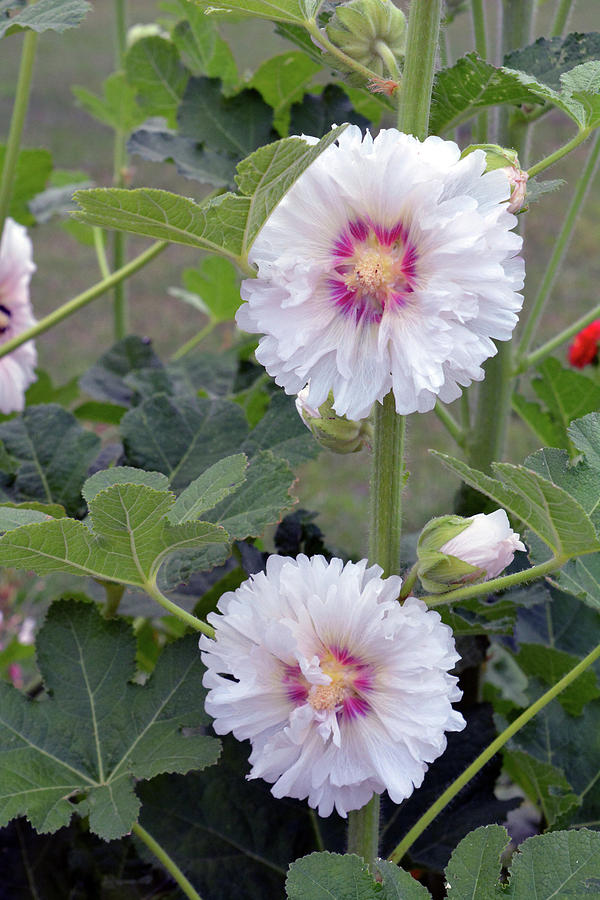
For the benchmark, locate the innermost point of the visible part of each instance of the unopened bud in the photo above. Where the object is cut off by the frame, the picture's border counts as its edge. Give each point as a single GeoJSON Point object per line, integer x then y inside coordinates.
{"type": "Point", "coordinates": [501, 158]}
{"type": "Point", "coordinates": [138, 32]}
{"type": "Point", "coordinates": [332, 431]}
{"type": "Point", "coordinates": [369, 31]}
{"type": "Point", "coordinates": [453, 551]}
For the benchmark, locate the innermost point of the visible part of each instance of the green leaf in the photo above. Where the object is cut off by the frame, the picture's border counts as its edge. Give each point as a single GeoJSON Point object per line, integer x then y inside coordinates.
{"type": "Point", "coordinates": [315, 113]}
{"type": "Point", "coordinates": [567, 395]}
{"type": "Point", "coordinates": [46, 15]}
{"type": "Point", "coordinates": [216, 286]}
{"type": "Point", "coordinates": [560, 864]}
{"type": "Point", "coordinates": [230, 836]}
{"type": "Point", "coordinates": [472, 85]}
{"type": "Point", "coordinates": [105, 380]}
{"type": "Point", "coordinates": [282, 431]}
{"type": "Point", "coordinates": [543, 783]}
{"type": "Point", "coordinates": [583, 84]}
{"type": "Point", "coordinates": [551, 513]}
{"type": "Point", "coordinates": [549, 665]}
{"type": "Point", "coordinates": [259, 501]}
{"type": "Point", "coordinates": [93, 411]}
{"type": "Point", "coordinates": [232, 125]}
{"type": "Point", "coordinates": [14, 516]}
{"type": "Point", "coordinates": [96, 733]}
{"type": "Point", "coordinates": [331, 876]}
{"type": "Point", "coordinates": [157, 143]}
{"type": "Point", "coordinates": [54, 453]}
{"type": "Point", "coordinates": [399, 884]}
{"type": "Point", "coordinates": [31, 175]}
{"type": "Point", "coordinates": [547, 59]}
{"type": "Point", "coordinates": [117, 108]}
{"type": "Point", "coordinates": [203, 49]}
{"type": "Point", "coordinates": [216, 483]}
{"type": "Point", "coordinates": [227, 224]}
{"type": "Point", "coordinates": [181, 436]}
{"type": "Point", "coordinates": [283, 80]}
{"type": "Point", "coordinates": [153, 67]}
{"type": "Point", "coordinates": [127, 542]}
{"type": "Point", "coordinates": [298, 11]}
{"type": "Point", "coordinates": [474, 866]}
{"type": "Point", "coordinates": [106, 478]}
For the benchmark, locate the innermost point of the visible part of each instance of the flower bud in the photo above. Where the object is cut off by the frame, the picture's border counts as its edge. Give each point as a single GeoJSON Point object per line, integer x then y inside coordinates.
{"type": "Point", "coordinates": [334, 432]}
{"type": "Point", "coordinates": [501, 158]}
{"type": "Point", "coordinates": [584, 349]}
{"type": "Point", "coordinates": [361, 27]}
{"type": "Point", "coordinates": [453, 551]}
{"type": "Point", "coordinates": [139, 32]}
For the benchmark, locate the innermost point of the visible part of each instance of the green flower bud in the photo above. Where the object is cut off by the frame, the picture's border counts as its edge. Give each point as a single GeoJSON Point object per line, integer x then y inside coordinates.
{"type": "Point", "coordinates": [334, 432]}
{"type": "Point", "coordinates": [501, 158]}
{"type": "Point", "coordinates": [369, 31]}
{"type": "Point", "coordinates": [453, 551]}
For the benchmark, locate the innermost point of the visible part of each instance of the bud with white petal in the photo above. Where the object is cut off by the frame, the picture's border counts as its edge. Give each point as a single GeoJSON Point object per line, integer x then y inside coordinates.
{"type": "Point", "coordinates": [332, 431]}
{"type": "Point", "coordinates": [501, 158]}
{"type": "Point", "coordinates": [453, 551]}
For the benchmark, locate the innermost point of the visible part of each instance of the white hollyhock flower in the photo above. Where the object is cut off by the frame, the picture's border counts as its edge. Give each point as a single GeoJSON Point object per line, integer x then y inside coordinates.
{"type": "Point", "coordinates": [341, 690]}
{"type": "Point", "coordinates": [489, 543]}
{"type": "Point", "coordinates": [16, 267]}
{"type": "Point", "coordinates": [389, 264]}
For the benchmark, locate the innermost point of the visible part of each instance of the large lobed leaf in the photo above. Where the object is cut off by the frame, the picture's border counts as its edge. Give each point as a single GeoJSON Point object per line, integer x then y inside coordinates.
{"type": "Point", "coordinates": [46, 15]}
{"type": "Point", "coordinates": [297, 11]}
{"type": "Point", "coordinates": [227, 224]}
{"type": "Point", "coordinates": [82, 748]}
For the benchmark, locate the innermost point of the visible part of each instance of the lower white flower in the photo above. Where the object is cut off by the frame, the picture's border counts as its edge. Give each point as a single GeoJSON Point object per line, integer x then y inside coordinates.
{"type": "Point", "coordinates": [342, 691]}
{"type": "Point", "coordinates": [389, 265]}
{"type": "Point", "coordinates": [17, 369]}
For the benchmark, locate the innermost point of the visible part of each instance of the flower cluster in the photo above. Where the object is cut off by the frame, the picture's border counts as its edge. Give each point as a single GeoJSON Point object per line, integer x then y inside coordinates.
{"type": "Point", "coordinates": [341, 690]}
{"type": "Point", "coordinates": [584, 349]}
{"type": "Point", "coordinates": [17, 370]}
{"type": "Point", "coordinates": [390, 264]}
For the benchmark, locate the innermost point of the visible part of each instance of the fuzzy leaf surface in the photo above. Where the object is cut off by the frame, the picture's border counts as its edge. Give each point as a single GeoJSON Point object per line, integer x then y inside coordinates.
{"type": "Point", "coordinates": [283, 80]}
{"type": "Point", "coordinates": [543, 783]}
{"type": "Point", "coordinates": [117, 108]}
{"type": "Point", "coordinates": [153, 67]}
{"type": "Point", "coordinates": [157, 143]}
{"type": "Point", "coordinates": [548, 509]}
{"type": "Point", "coordinates": [215, 284]}
{"type": "Point", "coordinates": [217, 482]}
{"type": "Point", "coordinates": [202, 48]}
{"type": "Point", "coordinates": [559, 864]}
{"type": "Point", "coordinates": [46, 15]}
{"type": "Point", "coordinates": [331, 876]}
{"type": "Point", "coordinates": [547, 59]}
{"type": "Point", "coordinates": [31, 176]}
{"type": "Point", "coordinates": [97, 731]}
{"type": "Point", "coordinates": [475, 864]}
{"type": "Point", "coordinates": [297, 11]}
{"type": "Point", "coordinates": [54, 453]}
{"type": "Point", "coordinates": [227, 224]}
{"type": "Point", "coordinates": [129, 539]}
{"type": "Point", "coordinates": [105, 380]}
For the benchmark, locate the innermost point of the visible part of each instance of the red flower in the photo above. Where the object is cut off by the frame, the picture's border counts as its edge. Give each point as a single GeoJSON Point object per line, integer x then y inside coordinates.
{"type": "Point", "coordinates": [584, 349]}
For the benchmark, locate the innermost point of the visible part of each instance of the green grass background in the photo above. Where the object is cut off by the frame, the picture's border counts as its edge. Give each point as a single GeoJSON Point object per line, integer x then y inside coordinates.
{"type": "Point", "coordinates": [335, 486]}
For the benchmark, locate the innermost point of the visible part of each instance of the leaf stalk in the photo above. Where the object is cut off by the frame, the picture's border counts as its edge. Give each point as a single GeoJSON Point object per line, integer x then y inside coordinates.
{"type": "Point", "coordinates": [167, 861]}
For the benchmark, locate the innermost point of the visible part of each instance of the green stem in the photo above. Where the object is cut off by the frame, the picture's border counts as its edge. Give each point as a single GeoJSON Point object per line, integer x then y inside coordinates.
{"type": "Point", "coordinates": [17, 123]}
{"type": "Point", "coordinates": [563, 11]}
{"type": "Point", "coordinates": [450, 423]}
{"type": "Point", "coordinates": [550, 346]}
{"type": "Point", "coordinates": [195, 340]}
{"type": "Point", "coordinates": [324, 43]}
{"type": "Point", "coordinates": [465, 411]}
{"type": "Point", "coordinates": [101, 251]}
{"type": "Point", "coordinates": [419, 65]}
{"type": "Point", "coordinates": [120, 310]}
{"type": "Point", "coordinates": [548, 161]}
{"type": "Point", "coordinates": [487, 754]}
{"type": "Point", "coordinates": [314, 821]}
{"type": "Point", "coordinates": [496, 584]}
{"type": "Point", "coordinates": [444, 48]}
{"type": "Point", "coordinates": [561, 246]}
{"type": "Point", "coordinates": [165, 860]}
{"type": "Point", "coordinates": [408, 582]}
{"type": "Point", "coordinates": [81, 300]}
{"type": "Point", "coordinates": [388, 475]}
{"type": "Point", "coordinates": [174, 610]}
{"type": "Point", "coordinates": [114, 594]}
{"type": "Point", "coordinates": [479, 33]}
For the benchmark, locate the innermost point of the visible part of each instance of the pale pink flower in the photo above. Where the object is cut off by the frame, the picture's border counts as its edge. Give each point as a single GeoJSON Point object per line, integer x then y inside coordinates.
{"type": "Point", "coordinates": [489, 543]}
{"type": "Point", "coordinates": [518, 184]}
{"type": "Point", "coordinates": [341, 690]}
{"type": "Point", "coordinates": [389, 264]}
{"type": "Point", "coordinates": [17, 370]}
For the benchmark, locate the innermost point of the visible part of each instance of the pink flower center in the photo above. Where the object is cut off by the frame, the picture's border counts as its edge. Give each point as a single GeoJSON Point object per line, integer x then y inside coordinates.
{"type": "Point", "coordinates": [346, 693]}
{"type": "Point", "coordinates": [375, 268]}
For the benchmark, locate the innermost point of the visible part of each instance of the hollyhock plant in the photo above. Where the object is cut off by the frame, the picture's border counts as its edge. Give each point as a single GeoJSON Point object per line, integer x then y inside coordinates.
{"type": "Point", "coordinates": [17, 370]}
{"type": "Point", "coordinates": [341, 690]}
{"type": "Point", "coordinates": [390, 264]}
{"type": "Point", "coordinates": [584, 349]}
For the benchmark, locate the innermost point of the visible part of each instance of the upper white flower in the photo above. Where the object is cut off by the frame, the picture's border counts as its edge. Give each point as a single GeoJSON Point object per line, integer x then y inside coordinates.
{"type": "Point", "coordinates": [17, 370]}
{"type": "Point", "coordinates": [489, 543]}
{"type": "Point", "coordinates": [389, 264]}
{"type": "Point", "coordinates": [341, 690]}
